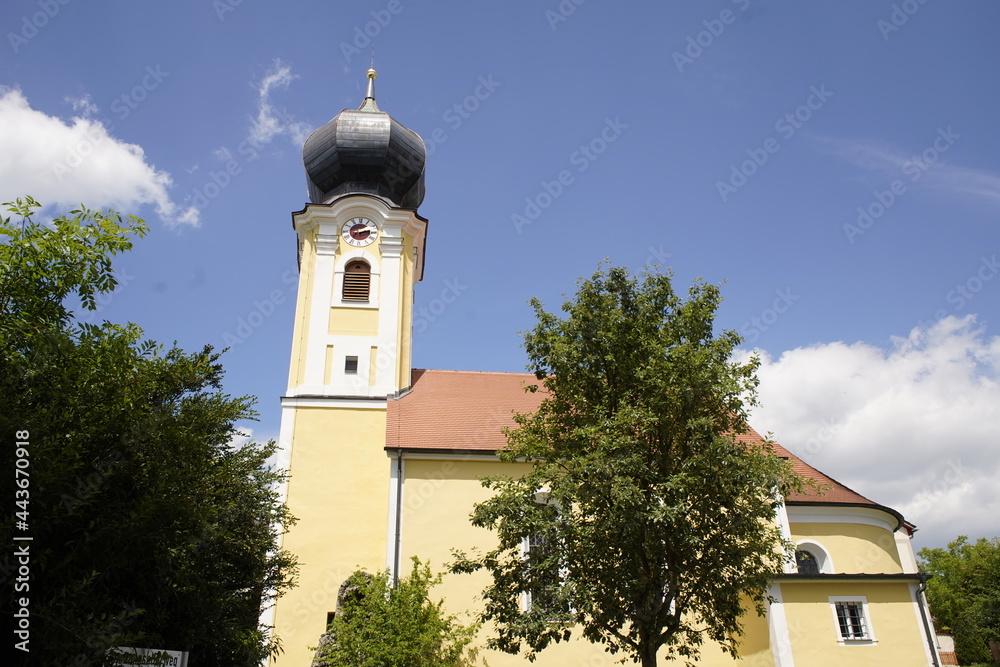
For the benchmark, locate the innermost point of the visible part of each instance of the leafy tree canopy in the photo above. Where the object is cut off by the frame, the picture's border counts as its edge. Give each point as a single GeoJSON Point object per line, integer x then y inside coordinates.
{"type": "Point", "coordinates": [649, 522]}
{"type": "Point", "coordinates": [383, 626]}
{"type": "Point", "coordinates": [149, 527]}
{"type": "Point", "coordinates": [964, 594]}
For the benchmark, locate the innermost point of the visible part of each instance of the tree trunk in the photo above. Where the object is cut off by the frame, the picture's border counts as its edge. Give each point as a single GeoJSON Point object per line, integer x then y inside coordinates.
{"type": "Point", "coordinates": [647, 654]}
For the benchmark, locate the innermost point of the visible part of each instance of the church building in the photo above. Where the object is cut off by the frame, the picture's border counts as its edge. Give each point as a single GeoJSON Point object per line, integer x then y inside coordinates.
{"type": "Point", "coordinates": [385, 460]}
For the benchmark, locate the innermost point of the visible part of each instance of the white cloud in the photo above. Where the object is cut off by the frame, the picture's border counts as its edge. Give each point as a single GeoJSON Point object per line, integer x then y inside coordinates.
{"type": "Point", "coordinates": [65, 164]}
{"type": "Point", "coordinates": [915, 427]}
{"type": "Point", "coordinates": [272, 121]}
{"type": "Point", "coordinates": [928, 165]}
{"type": "Point", "coordinates": [84, 104]}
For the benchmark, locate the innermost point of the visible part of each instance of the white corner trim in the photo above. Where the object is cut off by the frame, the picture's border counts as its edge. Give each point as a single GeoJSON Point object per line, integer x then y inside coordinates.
{"type": "Point", "coordinates": [904, 546]}
{"type": "Point", "coordinates": [781, 518]}
{"type": "Point", "coordinates": [777, 622]}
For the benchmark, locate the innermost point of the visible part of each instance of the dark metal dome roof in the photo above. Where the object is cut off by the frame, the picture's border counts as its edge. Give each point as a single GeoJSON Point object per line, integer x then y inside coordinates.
{"type": "Point", "coordinates": [365, 151]}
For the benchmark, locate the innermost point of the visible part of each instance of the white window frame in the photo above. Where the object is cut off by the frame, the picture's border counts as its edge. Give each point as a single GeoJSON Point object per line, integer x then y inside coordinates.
{"type": "Point", "coordinates": [542, 498]}
{"type": "Point", "coordinates": [525, 551]}
{"type": "Point", "coordinates": [823, 560]}
{"type": "Point", "coordinates": [869, 638]}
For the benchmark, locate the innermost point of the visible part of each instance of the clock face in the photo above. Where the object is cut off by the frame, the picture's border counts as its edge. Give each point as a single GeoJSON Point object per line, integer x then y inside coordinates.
{"type": "Point", "coordinates": [360, 231]}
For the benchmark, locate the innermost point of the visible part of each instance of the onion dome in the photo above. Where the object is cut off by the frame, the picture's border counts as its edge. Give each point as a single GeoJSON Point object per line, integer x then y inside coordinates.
{"type": "Point", "coordinates": [365, 151]}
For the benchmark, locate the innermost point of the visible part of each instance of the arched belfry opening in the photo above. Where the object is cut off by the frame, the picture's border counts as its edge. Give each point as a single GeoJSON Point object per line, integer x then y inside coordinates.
{"type": "Point", "coordinates": [357, 280]}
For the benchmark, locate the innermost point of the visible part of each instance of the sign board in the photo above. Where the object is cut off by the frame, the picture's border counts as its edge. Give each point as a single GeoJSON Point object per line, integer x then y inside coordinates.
{"type": "Point", "coordinates": [127, 656]}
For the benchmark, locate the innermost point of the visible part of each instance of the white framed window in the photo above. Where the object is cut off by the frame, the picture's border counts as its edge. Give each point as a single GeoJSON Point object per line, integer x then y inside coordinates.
{"type": "Point", "coordinates": [357, 281]}
{"type": "Point", "coordinates": [811, 557]}
{"type": "Point", "coordinates": [546, 576]}
{"type": "Point", "coordinates": [851, 619]}
{"type": "Point", "coordinates": [805, 562]}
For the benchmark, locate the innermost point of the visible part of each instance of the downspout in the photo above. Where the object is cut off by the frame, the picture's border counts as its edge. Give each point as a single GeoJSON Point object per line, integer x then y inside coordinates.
{"type": "Point", "coordinates": [921, 603]}
{"type": "Point", "coordinates": [399, 509]}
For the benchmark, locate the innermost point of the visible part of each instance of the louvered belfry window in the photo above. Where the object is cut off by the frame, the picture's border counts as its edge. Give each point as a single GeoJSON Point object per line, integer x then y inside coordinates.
{"type": "Point", "coordinates": [357, 280]}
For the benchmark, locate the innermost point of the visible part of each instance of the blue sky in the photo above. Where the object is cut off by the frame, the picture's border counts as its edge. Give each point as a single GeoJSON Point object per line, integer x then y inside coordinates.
{"type": "Point", "coordinates": [837, 164]}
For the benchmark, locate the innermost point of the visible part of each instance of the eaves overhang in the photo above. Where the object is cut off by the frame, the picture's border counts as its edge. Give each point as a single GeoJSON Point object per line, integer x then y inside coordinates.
{"type": "Point", "coordinates": [900, 521]}
{"type": "Point", "coordinates": [857, 576]}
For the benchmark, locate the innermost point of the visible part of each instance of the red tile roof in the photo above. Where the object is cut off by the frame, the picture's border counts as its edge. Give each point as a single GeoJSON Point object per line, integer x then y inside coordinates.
{"type": "Point", "coordinates": [467, 411]}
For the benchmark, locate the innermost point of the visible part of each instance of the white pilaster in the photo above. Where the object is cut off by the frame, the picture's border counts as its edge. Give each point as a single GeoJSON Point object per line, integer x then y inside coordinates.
{"type": "Point", "coordinates": [777, 623]}
{"type": "Point", "coordinates": [326, 247]}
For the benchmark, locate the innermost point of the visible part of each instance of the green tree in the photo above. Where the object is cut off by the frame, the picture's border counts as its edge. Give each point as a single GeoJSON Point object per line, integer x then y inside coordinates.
{"type": "Point", "coordinates": [964, 594]}
{"type": "Point", "coordinates": [383, 626]}
{"type": "Point", "coordinates": [650, 524]}
{"type": "Point", "coordinates": [148, 526]}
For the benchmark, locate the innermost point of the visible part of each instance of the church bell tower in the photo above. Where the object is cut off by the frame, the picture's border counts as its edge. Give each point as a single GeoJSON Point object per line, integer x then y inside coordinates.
{"type": "Point", "coordinates": [360, 251]}
{"type": "Point", "coordinates": [361, 246]}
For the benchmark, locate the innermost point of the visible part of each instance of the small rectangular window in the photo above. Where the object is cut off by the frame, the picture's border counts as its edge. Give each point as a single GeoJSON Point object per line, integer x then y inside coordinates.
{"type": "Point", "coordinates": [351, 365]}
{"type": "Point", "coordinates": [853, 623]}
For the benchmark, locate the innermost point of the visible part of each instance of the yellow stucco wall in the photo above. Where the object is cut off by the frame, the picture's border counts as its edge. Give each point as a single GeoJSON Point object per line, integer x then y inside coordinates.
{"type": "Point", "coordinates": [335, 536]}
{"type": "Point", "coordinates": [854, 547]}
{"type": "Point", "coordinates": [354, 321]}
{"type": "Point", "coordinates": [813, 632]}
{"type": "Point", "coordinates": [339, 491]}
{"type": "Point", "coordinates": [438, 496]}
